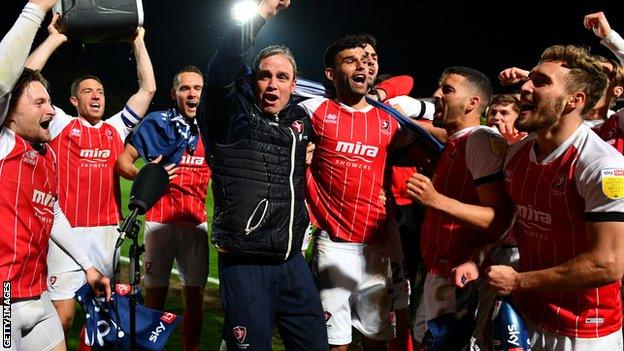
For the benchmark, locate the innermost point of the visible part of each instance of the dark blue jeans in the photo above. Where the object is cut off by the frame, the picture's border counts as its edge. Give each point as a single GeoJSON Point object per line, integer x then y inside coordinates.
{"type": "Point", "coordinates": [257, 294]}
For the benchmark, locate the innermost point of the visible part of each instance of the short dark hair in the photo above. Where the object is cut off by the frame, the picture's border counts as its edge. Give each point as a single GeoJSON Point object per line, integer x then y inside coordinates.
{"type": "Point", "coordinates": [76, 83]}
{"type": "Point", "coordinates": [187, 69]}
{"type": "Point", "coordinates": [349, 42]}
{"type": "Point", "coordinates": [586, 74]}
{"type": "Point", "coordinates": [476, 80]}
{"type": "Point", "coordinates": [504, 100]}
{"type": "Point", "coordinates": [28, 76]}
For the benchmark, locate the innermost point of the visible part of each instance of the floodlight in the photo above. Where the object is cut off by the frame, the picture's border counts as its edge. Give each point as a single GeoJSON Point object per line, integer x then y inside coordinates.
{"type": "Point", "coordinates": [244, 10]}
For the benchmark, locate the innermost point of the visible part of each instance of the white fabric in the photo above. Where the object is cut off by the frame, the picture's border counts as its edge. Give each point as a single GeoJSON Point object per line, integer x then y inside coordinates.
{"type": "Point", "coordinates": [595, 156]}
{"type": "Point", "coordinates": [544, 340]}
{"type": "Point", "coordinates": [62, 235]}
{"type": "Point", "coordinates": [615, 43]}
{"type": "Point", "coordinates": [14, 49]}
{"type": "Point", "coordinates": [438, 298]}
{"type": "Point", "coordinates": [413, 108]}
{"type": "Point", "coordinates": [64, 275]}
{"type": "Point", "coordinates": [354, 285]}
{"type": "Point", "coordinates": [35, 325]}
{"type": "Point", "coordinates": [184, 242]}
{"type": "Point", "coordinates": [62, 119]}
{"type": "Point", "coordinates": [400, 282]}
{"type": "Point", "coordinates": [481, 159]}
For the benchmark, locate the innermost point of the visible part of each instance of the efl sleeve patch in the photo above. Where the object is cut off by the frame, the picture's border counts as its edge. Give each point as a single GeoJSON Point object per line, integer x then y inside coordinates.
{"type": "Point", "coordinates": [613, 183]}
{"type": "Point", "coordinates": [498, 145]}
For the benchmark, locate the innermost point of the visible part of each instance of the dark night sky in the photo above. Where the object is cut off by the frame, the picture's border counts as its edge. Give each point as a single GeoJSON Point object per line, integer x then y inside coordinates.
{"type": "Point", "coordinates": [419, 38]}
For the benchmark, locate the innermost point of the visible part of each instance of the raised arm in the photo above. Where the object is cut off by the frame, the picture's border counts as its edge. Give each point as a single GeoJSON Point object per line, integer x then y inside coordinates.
{"type": "Point", "coordinates": [38, 58]}
{"type": "Point", "coordinates": [140, 101]}
{"type": "Point", "coordinates": [15, 46]}
{"type": "Point", "coordinates": [223, 101]}
{"type": "Point", "coordinates": [598, 23]}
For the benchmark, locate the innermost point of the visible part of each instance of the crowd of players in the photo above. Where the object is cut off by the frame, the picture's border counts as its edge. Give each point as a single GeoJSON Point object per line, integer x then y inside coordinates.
{"type": "Point", "coordinates": [528, 206]}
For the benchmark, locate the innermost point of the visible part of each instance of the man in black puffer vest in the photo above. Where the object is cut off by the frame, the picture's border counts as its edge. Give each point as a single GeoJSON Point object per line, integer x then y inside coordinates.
{"type": "Point", "coordinates": [256, 141]}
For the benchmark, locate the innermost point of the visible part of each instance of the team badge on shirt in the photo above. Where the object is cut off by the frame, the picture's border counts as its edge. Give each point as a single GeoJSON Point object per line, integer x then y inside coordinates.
{"type": "Point", "coordinates": [75, 132]}
{"type": "Point", "coordinates": [298, 126]}
{"type": "Point", "coordinates": [498, 145]}
{"type": "Point", "coordinates": [30, 157]}
{"type": "Point", "coordinates": [240, 333]}
{"type": "Point", "coordinates": [613, 183]}
{"type": "Point", "coordinates": [559, 185]}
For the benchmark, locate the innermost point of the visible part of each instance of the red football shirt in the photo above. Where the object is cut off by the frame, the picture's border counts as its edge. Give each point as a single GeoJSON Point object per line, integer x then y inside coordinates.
{"type": "Point", "coordinates": [348, 172]}
{"type": "Point", "coordinates": [185, 197]}
{"type": "Point", "coordinates": [612, 131]}
{"type": "Point", "coordinates": [582, 180]}
{"type": "Point", "coordinates": [472, 156]}
{"type": "Point", "coordinates": [28, 190]}
{"type": "Point", "coordinates": [89, 192]}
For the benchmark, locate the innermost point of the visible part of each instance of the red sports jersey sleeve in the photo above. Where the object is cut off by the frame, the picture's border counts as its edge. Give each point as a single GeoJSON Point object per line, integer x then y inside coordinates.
{"type": "Point", "coordinates": [27, 195]}
{"type": "Point", "coordinates": [88, 186]}
{"type": "Point", "coordinates": [185, 197]}
{"type": "Point", "coordinates": [612, 131]}
{"type": "Point", "coordinates": [553, 200]}
{"type": "Point", "coordinates": [471, 156]}
{"type": "Point", "coordinates": [348, 170]}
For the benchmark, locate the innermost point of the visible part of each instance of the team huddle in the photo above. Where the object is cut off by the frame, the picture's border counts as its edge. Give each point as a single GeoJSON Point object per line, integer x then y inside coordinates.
{"type": "Point", "coordinates": [529, 205]}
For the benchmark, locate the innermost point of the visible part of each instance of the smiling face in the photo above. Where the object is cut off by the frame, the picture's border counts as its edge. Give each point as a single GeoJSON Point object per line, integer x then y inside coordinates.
{"type": "Point", "coordinates": [89, 100]}
{"type": "Point", "coordinates": [542, 97]}
{"type": "Point", "coordinates": [32, 114]}
{"type": "Point", "coordinates": [275, 82]}
{"type": "Point", "coordinates": [187, 92]}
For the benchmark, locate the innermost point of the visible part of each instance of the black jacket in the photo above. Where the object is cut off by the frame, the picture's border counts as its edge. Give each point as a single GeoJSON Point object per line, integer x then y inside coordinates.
{"type": "Point", "coordinates": [257, 160]}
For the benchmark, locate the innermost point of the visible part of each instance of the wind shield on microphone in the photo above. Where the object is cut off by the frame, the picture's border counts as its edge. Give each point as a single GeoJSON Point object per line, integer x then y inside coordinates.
{"type": "Point", "coordinates": [148, 187]}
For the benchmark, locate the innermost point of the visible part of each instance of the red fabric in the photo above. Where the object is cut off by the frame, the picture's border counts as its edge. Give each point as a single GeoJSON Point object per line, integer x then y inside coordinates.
{"type": "Point", "coordinates": [396, 86]}
{"type": "Point", "coordinates": [28, 191]}
{"type": "Point", "coordinates": [185, 197]}
{"type": "Point", "coordinates": [550, 230]}
{"type": "Point", "coordinates": [88, 185]}
{"type": "Point", "coordinates": [348, 174]}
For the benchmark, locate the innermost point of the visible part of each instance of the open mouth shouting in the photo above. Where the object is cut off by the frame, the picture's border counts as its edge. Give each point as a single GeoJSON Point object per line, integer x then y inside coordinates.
{"type": "Point", "coordinates": [359, 81]}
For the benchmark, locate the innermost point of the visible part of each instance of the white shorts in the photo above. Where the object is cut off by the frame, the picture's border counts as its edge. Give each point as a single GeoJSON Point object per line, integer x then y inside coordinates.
{"type": "Point", "coordinates": [438, 298]}
{"type": "Point", "coordinates": [400, 282]}
{"type": "Point", "coordinates": [35, 325]}
{"type": "Point", "coordinates": [354, 283]}
{"type": "Point", "coordinates": [184, 242]}
{"type": "Point", "coordinates": [65, 276]}
{"type": "Point", "coordinates": [544, 340]}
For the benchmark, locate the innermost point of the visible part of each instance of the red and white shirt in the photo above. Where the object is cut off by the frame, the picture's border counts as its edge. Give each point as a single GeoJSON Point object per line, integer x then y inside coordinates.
{"type": "Point", "coordinates": [472, 156]}
{"type": "Point", "coordinates": [348, 172]}
{"type": "Point", "coordinates": [28, 191]}
{"type": "Point", "coordinates": [185, 198]}
{"type": "Point", "coordinates": [612, 131]}
{"type": "Point", "coordinates": [89, 192]}
{"type": "Point", "coordinates": [580, 181]}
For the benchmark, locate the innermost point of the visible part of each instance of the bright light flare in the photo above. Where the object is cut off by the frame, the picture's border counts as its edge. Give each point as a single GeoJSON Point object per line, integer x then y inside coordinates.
{"type": "Point", "coordinates": [244, 10]}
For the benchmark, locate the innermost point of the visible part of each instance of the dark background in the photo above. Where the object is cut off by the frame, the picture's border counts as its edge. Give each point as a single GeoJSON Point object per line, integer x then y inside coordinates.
{"type": "Point", "coordinates": [419, 38]}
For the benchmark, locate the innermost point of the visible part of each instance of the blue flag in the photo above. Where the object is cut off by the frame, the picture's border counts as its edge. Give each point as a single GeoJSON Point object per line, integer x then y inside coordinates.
{"type": "Point", "coordinates": [165, 133]}
{"type": "Point", "coordinates": [108, 323]}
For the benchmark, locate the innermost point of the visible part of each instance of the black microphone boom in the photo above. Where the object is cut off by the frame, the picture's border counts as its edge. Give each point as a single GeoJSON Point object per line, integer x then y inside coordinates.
{"type": "Point", "coordinates": [148, 187]}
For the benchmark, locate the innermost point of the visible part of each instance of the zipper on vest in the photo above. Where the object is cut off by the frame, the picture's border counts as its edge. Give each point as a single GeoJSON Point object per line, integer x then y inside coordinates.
{"type": "Point", "coordinates": [292, 192]}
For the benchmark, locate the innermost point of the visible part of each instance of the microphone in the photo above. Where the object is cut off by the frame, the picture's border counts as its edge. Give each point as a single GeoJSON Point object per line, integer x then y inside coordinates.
{"type": "Point", "coordinates": [147, 188]}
